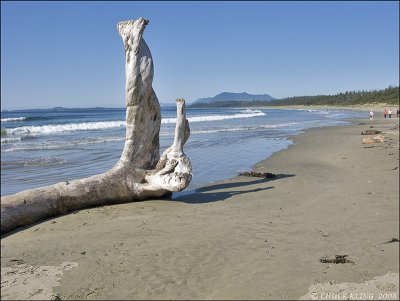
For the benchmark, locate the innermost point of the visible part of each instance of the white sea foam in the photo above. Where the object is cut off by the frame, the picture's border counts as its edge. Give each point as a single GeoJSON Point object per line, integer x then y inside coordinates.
{"type": "Point", "coordinates": [249, 111]}
{"type": "Point", "coordinates": [57, 128]}
{"type": "Point", "coordinates": [13, 119]}
{"type": "Point", "coordinates": [244, 114]}
{"type": "Point", "coordinates": [245, 128]}
{"type": "Point", "coordinates": [336, 115]}
{"type": "Point", "coordinates": [55, 145]}
{"type": "Point", "coordinates": [10, 140]}
{"type": "Point", "coordinates": [58, 145]}
{"type": "Point", "coordinates": [45, 161]}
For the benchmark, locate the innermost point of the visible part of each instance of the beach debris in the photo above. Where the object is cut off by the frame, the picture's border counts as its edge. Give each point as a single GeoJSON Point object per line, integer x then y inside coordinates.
{"type": "Point", "coordinates": [336, 260]}
{"type": "Point", "coordinates": [265, 175]}
{"type": "Point", "coordinates": [370, 132]}
{"type": "Point", "coordinates": [377, 139]}
{"type": "Point", "coordinates": [324, 234]}
{"type": "Point", "coordinates": [140, 173]}
{"type": "Point", "coordinates": [391, 241]}
{"type": "Point", "coordinates": [368, 141]}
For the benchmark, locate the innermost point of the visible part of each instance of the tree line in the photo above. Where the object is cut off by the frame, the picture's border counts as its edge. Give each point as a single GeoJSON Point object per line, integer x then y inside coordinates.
{"type": "Point", "coordinates": [390, 96]}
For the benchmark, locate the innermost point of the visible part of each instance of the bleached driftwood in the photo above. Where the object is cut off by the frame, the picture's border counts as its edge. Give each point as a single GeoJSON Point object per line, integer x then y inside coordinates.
{"type": "Point", "coordinates": [139, 174]}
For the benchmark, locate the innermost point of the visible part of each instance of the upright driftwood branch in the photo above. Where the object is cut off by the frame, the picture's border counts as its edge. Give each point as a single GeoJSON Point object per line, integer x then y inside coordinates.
{"type": "Point", "coordinates": [139, 174]}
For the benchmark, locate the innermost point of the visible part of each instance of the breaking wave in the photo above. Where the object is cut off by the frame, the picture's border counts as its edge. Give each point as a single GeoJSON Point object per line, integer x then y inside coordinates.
{"type": "Point", "coordinates": [87, 126]}
{"type": "Point", "coordinates": [242, 114]}
{"type": "Point", "coordinates": [11, 119]}
{"type": "Point", "coordinates": [57, 128]}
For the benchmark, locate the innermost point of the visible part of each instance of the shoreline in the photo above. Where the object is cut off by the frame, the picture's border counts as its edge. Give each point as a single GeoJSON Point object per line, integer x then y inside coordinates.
{"type": "Point", "coordinates": [241, 238]}
{"type": "Point", "coordinates": [376, 107]}
{"type": "Point", "coordinates": [20, 166]}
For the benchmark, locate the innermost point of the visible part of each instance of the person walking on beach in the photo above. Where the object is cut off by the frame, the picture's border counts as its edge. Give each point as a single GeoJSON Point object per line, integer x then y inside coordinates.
{"type": "Point", "coordinates": [398, 113]}
{"type": "Point", "coordinates": [384, 113]}
{"type": "Point", "coordinates": [371, 115]}
{"type": "Point", "coordinates": [390, 113]}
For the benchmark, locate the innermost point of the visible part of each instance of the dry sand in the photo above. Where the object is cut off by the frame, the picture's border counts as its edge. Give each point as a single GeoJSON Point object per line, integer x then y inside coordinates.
{"type": "Point", "coordinates": [243, 238]}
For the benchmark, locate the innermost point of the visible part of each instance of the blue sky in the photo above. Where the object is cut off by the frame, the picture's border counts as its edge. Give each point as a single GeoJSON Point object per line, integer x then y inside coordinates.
{"type": "Point", "coordinates": [70, 54]}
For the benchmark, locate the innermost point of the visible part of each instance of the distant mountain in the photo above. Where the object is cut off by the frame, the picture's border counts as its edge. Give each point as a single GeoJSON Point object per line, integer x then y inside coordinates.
{"type": "Point", "coordinates": [229, 96]}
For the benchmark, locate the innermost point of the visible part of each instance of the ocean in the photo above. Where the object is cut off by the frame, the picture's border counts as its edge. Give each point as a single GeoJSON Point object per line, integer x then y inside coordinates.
{"type": "Point", "coordinates": [43, 147]}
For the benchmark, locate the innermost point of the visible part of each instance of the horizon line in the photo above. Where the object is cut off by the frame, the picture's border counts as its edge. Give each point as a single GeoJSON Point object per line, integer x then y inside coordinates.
{"type": "Point", "coordinates": [166, 103]}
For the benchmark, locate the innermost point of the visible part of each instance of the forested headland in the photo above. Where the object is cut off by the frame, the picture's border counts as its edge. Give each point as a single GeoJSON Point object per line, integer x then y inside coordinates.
{"type": "Point", "coordinates": [389, 96]}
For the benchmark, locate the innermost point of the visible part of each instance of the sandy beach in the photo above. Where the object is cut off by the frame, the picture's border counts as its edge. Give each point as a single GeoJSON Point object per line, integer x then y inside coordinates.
{"type": "Point", "coordinates": [243, 238]}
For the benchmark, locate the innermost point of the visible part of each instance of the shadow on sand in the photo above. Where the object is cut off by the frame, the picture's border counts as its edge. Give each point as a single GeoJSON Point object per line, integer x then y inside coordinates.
{"type": "Point", "coordinates": [201, 195]}
{"type": "Point", "coordinates": [210, 193]}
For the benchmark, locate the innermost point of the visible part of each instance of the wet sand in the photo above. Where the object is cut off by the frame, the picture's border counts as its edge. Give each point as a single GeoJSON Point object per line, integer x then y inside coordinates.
{"type": "Point", "coordinates": [243, 238]}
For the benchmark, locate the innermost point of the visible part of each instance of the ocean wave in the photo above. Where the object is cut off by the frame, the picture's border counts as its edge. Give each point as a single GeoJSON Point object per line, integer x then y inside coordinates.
{"type": "Point", "coordinates": [245, 128]}
{"type": "Point", "coordinates": [58, 145]}
{"type": "Point", "coordinates": [11, 119]}
{"type": "Point", "coordinates": [243, 114]}
{"type": "Point", "coordinates": [45, 161]}
{"type": "Point", "coordinates": [57, 128]}
{"type": "Point", "coordinates": [250, 111]}
{"type": "Point", "coordinates": [336, 115]}
{"type": "Point", "coordinates": [11, 144]}
{"type": "Point", "coordinates": [10, 140]}
{"type": "Point", "coordinates": [87, 126]}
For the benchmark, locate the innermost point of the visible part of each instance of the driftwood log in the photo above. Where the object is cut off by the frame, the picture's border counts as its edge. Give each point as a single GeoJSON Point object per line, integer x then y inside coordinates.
{"type": "Point", "coordinates": [139, 174]}
{"type": "Point", "coordinates": [370, 132]}
{"type": "Point", "coordinates": [336, 260]}
{"type": "Point", "coordinates": [266, 175]}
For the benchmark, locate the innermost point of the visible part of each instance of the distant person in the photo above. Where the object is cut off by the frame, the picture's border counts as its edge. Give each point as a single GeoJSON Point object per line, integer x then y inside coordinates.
{"type": "Point", "coordinates": [398, 113]}
{"type": "Point", "coordinates": [390, 113]}
{"type": "Point", "coordinates": [371, 115]}
{"type": "Point", "coordinates": [385, 113]}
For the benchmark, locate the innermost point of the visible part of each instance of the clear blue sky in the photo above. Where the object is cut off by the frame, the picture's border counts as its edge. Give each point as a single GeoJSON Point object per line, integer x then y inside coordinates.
{"type": "Point", "coordinates": [70, 54]}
